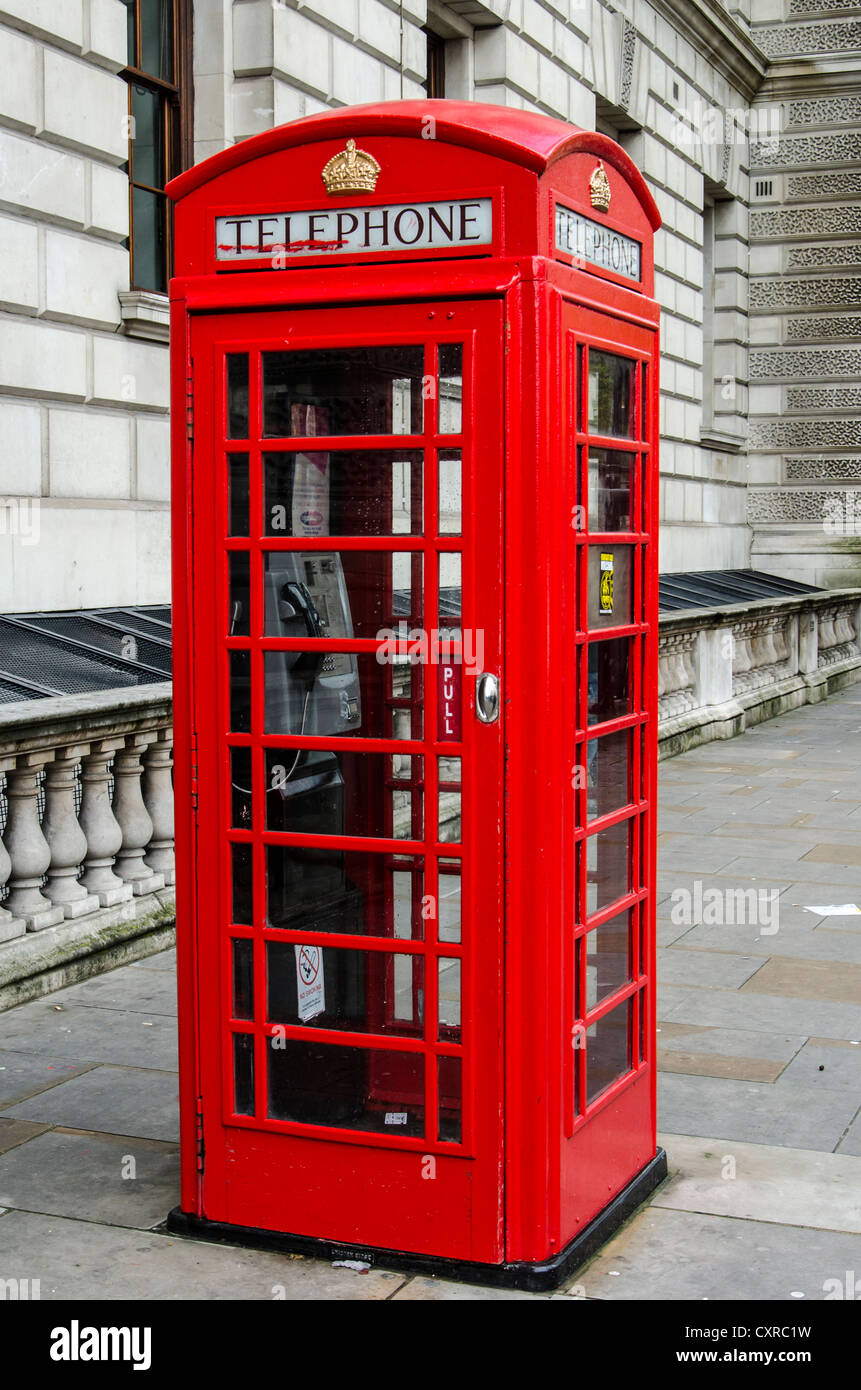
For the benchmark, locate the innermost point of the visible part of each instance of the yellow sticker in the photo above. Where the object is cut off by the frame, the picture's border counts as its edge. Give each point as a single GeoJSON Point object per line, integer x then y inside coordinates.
{"type": "Point", "coordinates": [605, 592]}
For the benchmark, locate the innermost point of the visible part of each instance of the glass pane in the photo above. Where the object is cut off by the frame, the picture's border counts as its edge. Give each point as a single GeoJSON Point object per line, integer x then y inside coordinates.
{"type": "Point", "coordinates": [237, 395]}
{"type": "Point", "coordinates": [607, 959]}
{"type": "Point", "coordinates": [450, 590]}
{"type": "Point", "coordinates": [450, 492]}
{"type": "Point", "coordinates": [242, 889]}
{"type": "Point", "coordinates": [355, 593]}
{"type": "Point", "coordinates": [240, 692]}
{"type": "Point", "coordinates": [148, 138]}
{"type": "Point", "coordinates": [449, 831]}
{"type": "Point", "coordinates": [237, 482]}
{"type": "Point", "coordinates": [331, 391]}
{"type": "Point", "coordinates": [449, 1000]}
{"type": "Point", "coordinates": [450, 388]}
{"type": "Point", "coordinates": [608, 778]}
{"type": "Point", "coordinates": [239, 598]}
{"type": "Point", "coordinates": [243, 978]}
{"type": "Point", "coordinates": [149, 241]}
{"type": "Point", "coordinates": [611, 595]}
{"type": "Point", "coordinates": [608, 1050]}
{"type": "Point", "coordinates": [608, 866]}
{"type": "Point", "coordinates": [611, 394]}
{"type": "Point", "coordinates": [449, 901]}
{"type": "Point", "coordinates": [320, 693]}
{"type": "Point", "coordinates": [243, 1073]}
{"type": "Point", "coordinates": [609, 679]}
{"type": "Point", "coordinates": [375, 1091]}
{"type": "Point", "coordinates": [315, 792]}
{"type": "Point", "coordinates": [352, 493]}
{"type": "Point", "coordinates": [349, 990]}
{"type": "Point", "coordinates": [611, 480]}
{"type": "Point", "coordinates": [240, 788]}
{"type": "Point", "coordinates": [157, 38]}
{"type": "Point", "coordinates": [351, 892]}
{"type": "Point", "coordinates": [132, 58]}
{"type": "Point", "coordinates": [450, 1083]}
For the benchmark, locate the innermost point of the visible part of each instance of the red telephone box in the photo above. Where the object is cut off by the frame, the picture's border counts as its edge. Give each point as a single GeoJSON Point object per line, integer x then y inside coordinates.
{"type": "Point", "coordinates": [415, 594]}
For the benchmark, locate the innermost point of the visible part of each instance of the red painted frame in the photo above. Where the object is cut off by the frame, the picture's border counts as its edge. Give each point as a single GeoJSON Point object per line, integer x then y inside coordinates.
{"type": "Point", "coordinates": [557, 1168]}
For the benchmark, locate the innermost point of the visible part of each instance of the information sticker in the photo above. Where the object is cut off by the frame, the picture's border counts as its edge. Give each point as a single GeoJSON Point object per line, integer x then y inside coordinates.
{"type": "Point", "coordinates": [310, 988]}
{"type": "Point", "coordinates": [605, 593]}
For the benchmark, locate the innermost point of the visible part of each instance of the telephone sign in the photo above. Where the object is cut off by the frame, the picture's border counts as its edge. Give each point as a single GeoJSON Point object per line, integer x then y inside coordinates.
{"type": "Point", "coordinates": [406, 933]}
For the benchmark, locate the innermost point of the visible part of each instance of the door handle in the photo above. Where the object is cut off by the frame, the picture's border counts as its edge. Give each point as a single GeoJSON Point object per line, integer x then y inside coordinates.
{"type": "Point", "coordinates": [487, 698]}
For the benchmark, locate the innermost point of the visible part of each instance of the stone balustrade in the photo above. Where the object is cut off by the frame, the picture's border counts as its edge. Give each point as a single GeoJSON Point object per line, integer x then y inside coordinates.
{"type": "Point", "coordinates": [721, 670]}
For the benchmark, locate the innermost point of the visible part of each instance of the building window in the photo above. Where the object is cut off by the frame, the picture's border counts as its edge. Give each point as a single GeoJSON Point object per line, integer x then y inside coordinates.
{"type": "Point", "coordinates": [435, 82]}
{"type": "Point", "coordinates": [159, 83]}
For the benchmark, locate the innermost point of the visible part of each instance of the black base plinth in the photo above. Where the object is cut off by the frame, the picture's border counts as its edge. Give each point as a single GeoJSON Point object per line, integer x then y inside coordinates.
{"type": "Point", "coordinates": [538, 1277]}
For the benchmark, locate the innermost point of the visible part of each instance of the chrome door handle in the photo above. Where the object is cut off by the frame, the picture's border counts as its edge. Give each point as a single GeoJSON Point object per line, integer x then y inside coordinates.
{"type": "Point", "coordinates": [487, 698]}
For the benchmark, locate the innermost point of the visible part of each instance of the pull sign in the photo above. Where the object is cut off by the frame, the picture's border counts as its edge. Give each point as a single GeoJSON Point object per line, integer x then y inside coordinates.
{"type": "Point", "coordinates": [449, 690]}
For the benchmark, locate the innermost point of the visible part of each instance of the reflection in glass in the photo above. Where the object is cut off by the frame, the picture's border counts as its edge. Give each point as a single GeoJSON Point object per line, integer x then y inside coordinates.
{"type": "Point", "coordinates": [243, 977]}
{"type": "Point", "coordinates": [149, 218]}
{"type": "Point", "coordinates": [610, 589]}
{"type": "Point", "coordinates": [608, 866]}
{"type": "Point", "coordinates": [450, 388]}
{"type": "Point", "coordinates": [148, 141]}
{"type": "Point", "coordinates": [240, 692]}
{"type": "Point", "coordinates": [611, 394]}
{"type": "Point", "coordinates": [608, 1050]}
{"type": "Point", "coordinates": [450, 492]}
{"type": "Point", "coordinates": [449, 999]}
{"type": "Point", "coordinates": [240, 788]}
{"type": "Point", "coordinates": [609, 679]}
{"type": "Point", "coordinates": [157, 39]}
{"type": "Point", "coordinates": [371, 1090]}
{"type": "Point", "coordinates": [243, 1073]}
{"type": "Point", "coordinates": [611, 479]}
{"type": "Point", "coordinates": [342, 693]}
{"type": "Point", "coordinates": [238, 509]}
{"type": "Point", "coordinates": [239, 601]}
{"type": "Point", "coordinates": [354, 892]}
{"type": "Point", "coordinates": [450, 1083]}
{"type": "Point", "coordinates": [608, 778]}
{"type": "Point", "coordinates": [607, 959]}
{"type": "Point", "coordinates": [333, 391]}
{"type": "Point", "coordinates": [350, 990]}
{"type": "Point", "coordinates": [449, 831]}
{"type": "Point", "coordinates": [449, 900]}
{"type": "Point", "coordinates": [351, 493]}
{"type": "Point", "coordinates": [237, 395]}
{"type": "Point", "coordinates": [316, 792]}
{"type": "Point", "coordinates": [242, 912]}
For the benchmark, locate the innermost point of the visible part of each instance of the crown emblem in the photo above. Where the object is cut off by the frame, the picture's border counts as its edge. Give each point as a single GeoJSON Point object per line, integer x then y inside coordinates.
{"type": "Point", "coordinates": [599, 188]}
{"type": "Point", "coordinates": [351, 171]}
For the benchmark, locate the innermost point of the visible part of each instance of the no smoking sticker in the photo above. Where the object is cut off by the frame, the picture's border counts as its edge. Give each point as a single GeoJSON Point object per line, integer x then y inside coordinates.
{"type": "Point", "coordinates": [310, 988]}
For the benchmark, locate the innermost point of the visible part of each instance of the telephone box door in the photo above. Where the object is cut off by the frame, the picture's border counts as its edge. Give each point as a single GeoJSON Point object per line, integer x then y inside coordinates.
{"type": "Point", "coordinates": [346, 599]}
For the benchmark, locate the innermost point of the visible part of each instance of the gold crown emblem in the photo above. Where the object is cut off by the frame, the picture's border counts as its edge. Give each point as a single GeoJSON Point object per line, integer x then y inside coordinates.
{"type": "Point", "coordinates": [351, 171]}
{"type": "Point", "coordinates": [599, 188]}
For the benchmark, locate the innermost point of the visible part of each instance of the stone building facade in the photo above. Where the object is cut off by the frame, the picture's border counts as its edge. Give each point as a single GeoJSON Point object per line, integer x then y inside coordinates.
{"type": "Point", "coordinates": [742, 114]}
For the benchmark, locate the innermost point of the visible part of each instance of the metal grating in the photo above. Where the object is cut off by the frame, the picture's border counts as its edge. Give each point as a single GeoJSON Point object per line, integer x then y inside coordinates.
{"type": "Point", "coordinates": [714, 588]}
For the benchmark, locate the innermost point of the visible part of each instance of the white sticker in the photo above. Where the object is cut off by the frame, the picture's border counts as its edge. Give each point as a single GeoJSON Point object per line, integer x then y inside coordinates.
{"type": "Point", "coordinates": [842, 910]}
{"type": "Point", "coordinates": [309, 982]}
{"type": "Point", "coordinates": [396, 1117]}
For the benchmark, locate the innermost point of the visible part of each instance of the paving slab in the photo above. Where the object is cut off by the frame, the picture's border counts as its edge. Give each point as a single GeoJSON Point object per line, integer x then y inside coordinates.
{"type": "Point", "coordinates": [162, 960]}
{"type": "Point", "coordinates": [768, 1012]}
{"type": "Point", "coordinates": [92, 1034]}
{"type": "Point", "coordinates": [835, 981]}
{"type": "Point", "coordinates": [801, 942]}
{"type": "Point", "coordinates": [111, 1100]}
{"type": "Point", "coordinates": [425, 1290]}
{"type": "Point", "coordinates": [678, 966]}
{"type": "Point", "coordinates": [800, 1117]}
{"type": "Point", "coordinates": [149, 992]}
{"type": "Point", "coordinates": [851, 1141]}
{"type": "Point", "coordinates": [81, 1176]}
{"type": "Point", "coordinates": [730, 1042]}
{"type": "Point", "coordinates": [23, 1075]}
{"type": "Point", "coordinates": [759, 1182]}
{"type": "Point", "coordinates": [678, 1255]}
{"type": "Point", "coordinates": [15, 1132]}
{"type": "Point", "coordinates": [80, 1261]}
{"type": "Point", "coordinates": [828, 1064]}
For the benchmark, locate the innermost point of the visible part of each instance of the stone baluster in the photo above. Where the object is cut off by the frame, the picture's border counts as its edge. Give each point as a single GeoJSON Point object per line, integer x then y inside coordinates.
{"type": "Point", "coordinates": [158, 798]}
{"type": "Point", "coordinates": [10, 926]}
{"type": "Point", "coordinates": [100, 826]}
{"type": "Point", "coordinates": [66, 839]}
{"type": "Point", "coordinates": [26, 845]}
{"type": "Point", "coordinates": [133, 817]}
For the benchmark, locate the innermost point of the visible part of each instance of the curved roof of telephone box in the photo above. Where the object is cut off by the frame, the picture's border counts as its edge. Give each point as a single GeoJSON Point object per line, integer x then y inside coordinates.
{"type": "Point", "coordinates": [523, 137]}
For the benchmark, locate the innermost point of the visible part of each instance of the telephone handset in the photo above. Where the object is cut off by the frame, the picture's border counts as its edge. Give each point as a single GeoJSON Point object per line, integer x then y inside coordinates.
{"type": "Point", "coordinates": [306, 596]}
